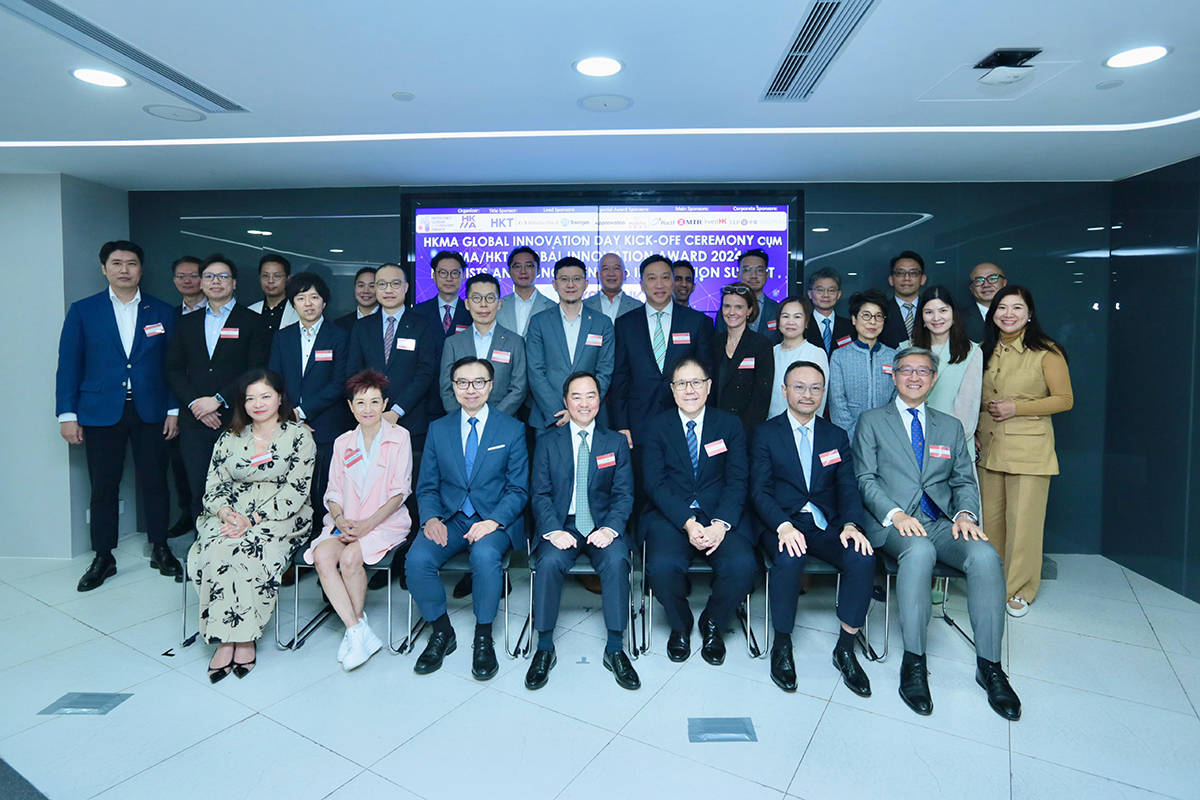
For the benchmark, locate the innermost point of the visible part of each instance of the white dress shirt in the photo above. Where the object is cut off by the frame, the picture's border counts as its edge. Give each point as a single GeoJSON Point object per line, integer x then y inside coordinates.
{"type": "Point", "coordinates": [360, 314]}
{"type": "Point", "coordinates": [651, 321]}
{"type": "Point", "coordinates": [399, 315]}
{"type": "Point", "coordinates": [811, 427]}
{"type": "Point", "coordinates": [523, 309]}
{"type": "Point", "coordinates": [611, 308]}
{"type": "Point", "coordinates": [308, 337]}
{"type": "Point", "coordinates": [575, 442]}
{"type": "Point", "coordinates": [983, 310]}
{"type": "Point", "coordinates": [213, 322]}
{"type": "Point", "coordinates": [571, 329]}
{"type": "Point", "coordinates": [369, 454]}
{"type": "Point", "coordinates": [189, 309]}
{"type": "Point", "coordinates": [483, 341]}
{"type": "Point", "coordinates": [465, 425]}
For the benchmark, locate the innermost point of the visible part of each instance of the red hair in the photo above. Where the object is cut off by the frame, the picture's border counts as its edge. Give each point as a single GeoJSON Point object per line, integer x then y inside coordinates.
{"type": "Point", "coordinates": [360, 382]}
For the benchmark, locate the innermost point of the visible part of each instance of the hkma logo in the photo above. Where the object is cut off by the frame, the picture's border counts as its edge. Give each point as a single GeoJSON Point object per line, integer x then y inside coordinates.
{"type": "Point", "coordinates": [468, 221]}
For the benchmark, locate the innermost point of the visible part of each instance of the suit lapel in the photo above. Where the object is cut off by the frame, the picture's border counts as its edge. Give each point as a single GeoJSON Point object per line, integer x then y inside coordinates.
{"type": "Point", "coordinates": [376, 468]}
{"type": "Point", "coordinates": [230, 322]}
{"type": "Point", "coordinates": [485, 441]}
{"type": "Point", "coordinates": [787, 437]}
{"type": "Point", "coordinates": [352, 472]}
{"type": "Point", "coordinates": [585, 328]}
{"type": "Point", "coordinates": [900, 429]}
{"type": "Point", "coordinates": [139, 328]}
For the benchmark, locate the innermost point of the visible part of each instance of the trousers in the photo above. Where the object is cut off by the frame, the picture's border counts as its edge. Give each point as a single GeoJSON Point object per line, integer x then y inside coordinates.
{"type": "Point", "coordinates": [857, 581]}
{"type": "Point", "coordinates": [611, 563]}
{"type": "Point", "coordinates": [426, 557]}
{"type": "Point", "coordinates": [105, 447]}
{"type": "Point", "coordinates": [1014, 519]}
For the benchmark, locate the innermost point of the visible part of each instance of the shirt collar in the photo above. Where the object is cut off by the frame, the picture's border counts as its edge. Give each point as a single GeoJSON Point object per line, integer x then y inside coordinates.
{"type": "Point", "coordinates": [398, 315]}
{"type": "Point", "coordinates": [874, 349]}
{"type": "Point", "coordinates": [575, 429]}
{"type": "Point", "coordinates": [811, 425]}
{"type": "Point", "coordinates": [137, 297]}
{"type": "Point", "coordinates": [202, 303]}
{"type": "Point", "coordinates": [360, 314]}
{"type": "Point", "coordinates": [699, 420]}
{"type": "Point", "coordinates": [562, 312]}
{"type": "Point", "coordinates": [453, 304]}
{"type": "Point", "coordinates": [903, 407]}
{"type": "Point", "coordinates": [314, 330]}
{"type": "Point", "coordinates": [830, 316]}
{"type": "Point", "coordinates": [482, 416]}
{"type": "Point", "coordinates": [666, 312]}
{"type": "Point", "coordinates": [225, 309]}
{"type": "Point", "coordinates": [983, 310]}
{"type": "Point", "coordinates": [478, 335]}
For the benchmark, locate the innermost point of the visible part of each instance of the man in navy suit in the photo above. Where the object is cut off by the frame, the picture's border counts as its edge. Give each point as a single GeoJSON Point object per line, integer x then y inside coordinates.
{"type": "Point", "coordinates": [696, 475]}
{"type": "Point", "coordinates": [365, 302]}
{"type": "Point", "coordinates": [805, 490]}
{"type": "Point", "coordinates": [582, 497]}
{"type": "Point", "coordinates": [473, 487]}
{"type": "Point", "coordinates": [447, 314]}
{"type": "Point", "coordinates": [825, 328]}
{"type": "Point", "coordinates": [111, 388]}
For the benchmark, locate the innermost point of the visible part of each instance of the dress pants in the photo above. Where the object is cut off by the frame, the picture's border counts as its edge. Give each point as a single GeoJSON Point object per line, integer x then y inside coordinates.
{"type": "Point", "coordinates": [183, 490]}
{"type": "Point", "coordinates": [319, 484]}
{"type": "Point", "coordinates": [857, 582]}
{"type": "Point", "coordinates": [611, 563]}
{"type": "Point", "coordinates": [196, 443]}
{"type": "Point", "coordinates": [105, 447]}
{"type": "Point", "coordinates": [1014, 519]}
{"type": "Point", "coordinates": [668, 556]}
{"type": "Point", "coordinates": [985, 583]}
{"type": "Point", "coordinates": [426, 557]}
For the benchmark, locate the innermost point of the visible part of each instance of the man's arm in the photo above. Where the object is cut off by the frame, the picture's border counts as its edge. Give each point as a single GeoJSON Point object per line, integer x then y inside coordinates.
{"type": "Point", "coordinates": [415, 390]}
{"type": "Point", "coordinates": [449, 401]}
{"type": "Point", "coordinates": [429, 493]}
{"type": "Point", "coordinates": [964, 491]}
{"type": "Point", "coordinates": [545, 520]}
{"type": "Point", "coordinates": [548, 400]}
{"type": "Point", "coordinates": [620, 504]}
{"type": "Point", "coordinates": [737, 475]}
{"type": "Point", "coordinates": [762, 480]}
{"type": "Point", "coordinates": [849, 499]}
{"type": "Point", "coordinates": [70, 366]}
{"type": "Point", "coordinates": [518, 385]}
{"type": "Point", "coordinates": [618, 395]}
{"type": "Point", "coordinates": [675, 507]}
{"type": "Point", "coordinates": [516, 480]}
{"type": "Point", "coordinates": [176, 369]}
{"type": "Point", "coordinates": [334, 389]}
{"type": "Point", "coordinates": [607, 360]}
{"type": "Point", "coordinates": [871, 484]}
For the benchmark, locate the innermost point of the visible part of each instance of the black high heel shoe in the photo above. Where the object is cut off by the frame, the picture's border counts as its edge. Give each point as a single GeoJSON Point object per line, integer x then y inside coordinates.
{"type": "Point", "coordinates": [242, 669]}
{"type": "Point", "coordinates": [217, 674]}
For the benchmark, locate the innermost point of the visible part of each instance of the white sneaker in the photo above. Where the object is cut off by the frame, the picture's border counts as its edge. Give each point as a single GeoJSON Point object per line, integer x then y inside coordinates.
{"type": "Point", "coordinates": [1021, 608]}
{"type": "Point", "coordinates": [344, 647]}
{"type": "Point", "coordinates": [364, 644]}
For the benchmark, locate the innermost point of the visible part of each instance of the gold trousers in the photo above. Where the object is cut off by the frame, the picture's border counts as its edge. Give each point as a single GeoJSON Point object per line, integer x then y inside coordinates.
{"type": "Point", "coordinates": [1014, 520]}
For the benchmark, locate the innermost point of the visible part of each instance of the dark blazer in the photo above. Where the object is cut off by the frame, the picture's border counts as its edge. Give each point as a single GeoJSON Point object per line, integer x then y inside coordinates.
{"type": "Point", "coordinates": [410, 371]}
{"type": "Point", "coordinates": [610, 487]}
{"type": "Point", "coordinates": [498, 484]}
{"type": "Point", "coordinates": [550, 361]}
{"type": "Point", "coordinates": [742, 384]}
{"type": "Point", "coordinates": [640, 391]}
{"type": "Point", "coordinates": [765, 324]}
{"type": "Point", "coordinates": [777, 483]}
{"type": "Point", "coordinates": [93, 367]}
{"type": "Point", "coordinates": [346, 323]}
{"type": "Point", "coordinates": [894, 331]}
{"type": "Point", "coordinates": [720, 488]}
{"type": "Point", "coordinates": [843, 330]}
{"type": "Point", "coordinates": [429, 309]}
{"type": "Point", "coordinates": [192, 374]}
{"type": "Point", "coordinates": [320, 390]}
{"type": "Point", "coordinates": [973, 321]}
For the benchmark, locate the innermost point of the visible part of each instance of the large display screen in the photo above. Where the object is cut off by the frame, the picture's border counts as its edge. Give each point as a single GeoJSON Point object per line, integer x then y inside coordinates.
{"type": "Point", "coordinates": [711, 237]}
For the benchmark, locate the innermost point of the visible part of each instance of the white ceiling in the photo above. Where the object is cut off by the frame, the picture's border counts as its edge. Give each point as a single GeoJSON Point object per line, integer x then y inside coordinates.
{"type": "Point", "coordinates": [314, 68]}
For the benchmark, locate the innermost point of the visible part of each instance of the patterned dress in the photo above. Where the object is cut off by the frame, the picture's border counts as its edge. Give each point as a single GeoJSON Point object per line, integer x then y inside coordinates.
{"type": "Point", "coordinates": [237, 579]}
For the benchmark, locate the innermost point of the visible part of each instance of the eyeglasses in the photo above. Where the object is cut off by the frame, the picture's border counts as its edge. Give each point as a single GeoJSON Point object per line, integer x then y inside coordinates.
{"type": "Point", "coordinates": [572, 278]}
{"type": "Point", "coordinates": [522, 265]}
{"type": "Point", "coordinates": [272, 276]}
{"type": "Point", "coordinates": [754, 270]}
{"type": "Point", "coordinates": [987, 279]}
{"type": "Point", "coordinates": [744, 291]}
{"type": "Point", "coordinates": [863, 316]}
{"type": "Point", "coordinates": [477, 383]}
{"type": "Point", "coordinates": [801, 389]}
{"type": "Point", "coordinates": [695, 384]}
{"type": "Point", "coordinates": [399, 283]}
{"type": "Point", "coordinates": [923, 372]}
{"type": "Point", "coordinates": [221, 277]}
{"type": "Point", "coordinates": [187, 276]}
{"type": "Point", "coordinates": [484, 299]}
{"type": "Point", "coordinates": [906, 273]}
{"type": "Point", "coordinates": [825, 290]}
{"type": "Point", "coordinates": [448, 274]}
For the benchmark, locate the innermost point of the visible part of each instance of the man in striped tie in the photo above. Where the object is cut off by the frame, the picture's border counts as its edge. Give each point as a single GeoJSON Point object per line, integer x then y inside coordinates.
{"type": "Point", "coordinates": [906, 277]}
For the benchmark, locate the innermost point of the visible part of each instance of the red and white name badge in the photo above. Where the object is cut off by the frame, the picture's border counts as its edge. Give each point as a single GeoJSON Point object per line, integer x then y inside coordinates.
{"type": "Point", "coordinates": [747, 363]}
{"type": "Point", "coordinates": [772, 325]}
{"type": "Point", "coordinates": [681, 338]}
{"type": "Point", "coordinates": [459, 328]}
{"type": "Point", "coordinates": [323, 355]}
{"type": "Point", "coordinates": [229, 333]}
{"type": "Point", "coordinates": [406, 344]}
{"type": "Point", "coordinates": [716, 448]}
{"type": "Point", "coordinates": [353, 457]}
{"type": "Point", "coordinates": [264, 458]}
{"type": "Point", "coordinates": [845, 340]}
{"type": "Point", "coordinates": [501, 356]}
{"type": "Point", "coordinates": [887, 369]}
{"type": "Point", "coordinates": [594, 340]}
{"type": "Point", "coordinates": [939, 451]}
{"type": "Point", "coordinates": [154, 330]}
{"type": "Point", "coordinates": [606, 460]}
{"type": "Point", "coordinates": [830, 458]}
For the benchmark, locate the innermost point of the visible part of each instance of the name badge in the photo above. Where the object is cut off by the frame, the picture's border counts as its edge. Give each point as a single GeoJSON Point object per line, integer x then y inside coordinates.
{"type": "Point", "coordinates": [459, 328]}
{"type": "Point", "coordinates": [681, 338]}
{"type": "Point", "coordinates": [747, 363]}
{"type": "Point", "coordinates": [406, 344]}
{"type": "Point", "coordinates": [772, 325]}
{"type": "Point", "coordinates": [939, 451]}
{"type": "Point", "coordinates": [716, 448]}
{"type": "Point", "coordinates": [845, 340]}
{"type": "Point", "coordinates": [353, 457]}
{"type": "Point", "coordinates": [259, 460]}
{"type": "Point", "coordinates": [501, 356]}
{"type": "Point", "coordinates": [830, 458]}
{"type": "Point", "coordinates": [154, 330]}
{"type": "Point", "coordinates": [606, 460]}
{"type": "Point", "coordinates": [594, 340]}
{"type": "Point", "coordinates": [323, 355]}
{"type": "Point", "coordinates": [887, 369]}
{"type": "Point", "coordinates": [229, 333]}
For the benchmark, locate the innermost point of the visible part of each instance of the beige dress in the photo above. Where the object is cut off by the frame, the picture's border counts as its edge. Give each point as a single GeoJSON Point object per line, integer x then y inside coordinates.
{"type": "Point", "coordinates": [237, 579]}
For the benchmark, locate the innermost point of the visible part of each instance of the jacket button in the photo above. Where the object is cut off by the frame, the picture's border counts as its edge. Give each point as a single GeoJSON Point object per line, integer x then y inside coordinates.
{"type": "Point", "coordinates": [129, 366]}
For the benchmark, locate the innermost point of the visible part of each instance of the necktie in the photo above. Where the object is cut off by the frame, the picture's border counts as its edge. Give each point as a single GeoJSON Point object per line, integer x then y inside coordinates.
{"type": "Point", "coordinates": [583, 513]}
{"type": "Point", "coordinates": [908, 319]}
{"type": "Point", "coordinates": [471, 449]}
{"type": "Point", "coordinates": [660, 340]}
{"type": "Point", "coordinates": [447, 320]}
{"type": "Point", "coordinates": [389, 340]}
{"type": "Point", "coordinates": [693, 446]}
{"type": "Point", "coordinates": [805, 450]}
{"type": "Point", "coordinates": [827, 335]}
{"type": "Point", "coordinates": [918, 446]}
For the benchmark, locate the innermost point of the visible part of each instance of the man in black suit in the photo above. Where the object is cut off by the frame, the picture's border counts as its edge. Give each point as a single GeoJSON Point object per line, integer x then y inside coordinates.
{"type": "Point", "coordinates": [582, 496]}
{"type": "Point", "coordinates": [206, 356]}
{"type": "Point", "coordinates": [906, 276]}
{"type": "Point", "coordinates": [986, 279]}
{"type": "Point", "coordinates": [364, 298]}
{"type": "Point", "coordinates": [186, 274]}
{"type": "Point", "coordinates": [696, 475]}
{"type": "Point", "coordinates": [825, 328]}
{"type": "Point", "coordinates": [805, 490]}
{"type": "Point", "coordinates": [447, 315]}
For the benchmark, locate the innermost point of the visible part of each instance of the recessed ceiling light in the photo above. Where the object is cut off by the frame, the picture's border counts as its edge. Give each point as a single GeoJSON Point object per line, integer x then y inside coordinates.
{"type": "Point", "coordinates": [939, 262]}
{"type": "Point", "coordinates": [598, 67]}
{"type": "Point", "coordinates": [1079, 274]}
{"type": "Point", "coordinates": [403, 97]}
{"type": "Point", "coordinates": [1070, 262]}
{"type": "Point", "coordinates": [99, 77]}
{"type": "Point", "coordinates": [1097, 228]}
{"type": "Point", "coordinates": [852, 273]}
{"type": "Point", "coordinates": [1116, 227]}
{"type": "Point", "coordinates": [1006, 248]}
{"type": "Point", "coordinates": [254, 233]}
{"type": "Point", "coordinates": [1137, 56]}
{"type": "Point", "coordinates": [820, 230]}
{"type": "Point", "coordinates": [337, 251]}
{"type": "Point", "coordinates": [264, 233]}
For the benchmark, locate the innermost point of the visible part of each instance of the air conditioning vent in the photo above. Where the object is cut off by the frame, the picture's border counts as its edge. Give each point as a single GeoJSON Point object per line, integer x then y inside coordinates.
{"type": "Point", "coordinates": [822, 33]}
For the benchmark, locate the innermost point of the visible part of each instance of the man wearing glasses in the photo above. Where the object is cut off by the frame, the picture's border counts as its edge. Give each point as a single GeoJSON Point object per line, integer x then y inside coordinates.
{"type": "Point", "coordinates": [486, 339]}
{"type": "Point", "coordinates": [825, 329]}
{"type": "Point", "coordinates": [446, 312]}
{"type": "Point", "coordinates": [752, 271]}
{"type": "Point", "coordinates": [906, 277]}
{"type": "Point", "coordinates": [517, 308]}
{"type": "Point", "coordinates": [986, 279]}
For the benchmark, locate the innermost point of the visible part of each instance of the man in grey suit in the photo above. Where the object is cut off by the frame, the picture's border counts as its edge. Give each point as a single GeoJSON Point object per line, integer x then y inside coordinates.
{"type": "Point", "coordinates": [517, 308]}
{"type": "Point", "coordinates": [611, 300]}
{"type": "Point", "coordinates": [752, 271]}
{"type": "Point", "coordinates": [564, 340]}
{"type": "Point", "coordinates": [485, 339]}
{"type": "Point", "coordinates": [918, 487]}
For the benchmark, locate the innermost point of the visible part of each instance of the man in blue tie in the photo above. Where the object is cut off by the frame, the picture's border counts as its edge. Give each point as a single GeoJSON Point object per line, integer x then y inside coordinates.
{"type": "Point", "coordinates": [918, 487]}
{"type": "Point", "coordinates": [825, 328]}
{"type": "Point", "coordinates": [473, 487]}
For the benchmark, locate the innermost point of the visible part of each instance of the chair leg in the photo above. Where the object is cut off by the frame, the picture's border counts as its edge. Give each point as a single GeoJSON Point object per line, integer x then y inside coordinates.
{"type": "Point", "coordinates": [887, 617]}
{"type": "Point", "coordinates": [949, 620]}
{"type": "Point", "coordinates": [630, 632]}
{"type": "Point", "coordinates": [187, 641]}
{"type": "Point", "coordinates": [388, 572]}
{"type": "Point", "coordinates": [410, 640]}
{"type": "Point", "coordinates": [768, 631]}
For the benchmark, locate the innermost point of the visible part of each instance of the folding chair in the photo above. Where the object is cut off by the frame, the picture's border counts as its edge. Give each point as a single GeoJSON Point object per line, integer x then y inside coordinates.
{"type": "Point", "coordinates": [943, 573]}
{"type": "Point", "coordinates": [300, 633]}
{"type": "Point", "coordinates": [583, 566]}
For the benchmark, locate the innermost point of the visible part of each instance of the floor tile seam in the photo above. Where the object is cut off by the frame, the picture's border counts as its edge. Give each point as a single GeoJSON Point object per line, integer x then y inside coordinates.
{"type": "Point", "coordinates": [341, 786]}
{"type": "Point", "coordinates": [42, 721]}
{"type": "Point", "coordinates": [196, 679]}
{"type": "Point", "coordinates": [649, 700]}
{"type": "Point", "coordinates": [1183, 714]}
{"type": "Point", "coordinates": [1127, 572]}
{"type": "Point", "coordinates": [701, 763]}
{"type": "Point", "coordinates": [922, 727]}
{"type": "Point", "coordinates": [99, 591]}
{"type": "Point", "coordinates": [1186, 693]}
{"type": "Point", "coordinates": [60, 649]}
{"type": "Point", "coordinates": [545, 708]}
{"type": "Point", "coordinates": [595, 755]}
{"type": "Point", "coordinates": [766, 681]}
{"type": "Point", "coordinates": [1089, 635]}
{"type": "Point", "coordinates": [376, 762]}
{"type": "Point", "coordinates": [812, 736]}
{"type": "Point", "coordinates": [1095, 775]}
{"type": "Point", "coordinates": [1171, 664]}
{"type": "Point", "coordinates": [393, 783]}
{"type": "Point", "coordinates": [518, 696]}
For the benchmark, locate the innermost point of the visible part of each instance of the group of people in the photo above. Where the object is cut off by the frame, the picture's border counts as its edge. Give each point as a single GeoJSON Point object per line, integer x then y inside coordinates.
{"type": "Point", "coordinates": [603, 425]}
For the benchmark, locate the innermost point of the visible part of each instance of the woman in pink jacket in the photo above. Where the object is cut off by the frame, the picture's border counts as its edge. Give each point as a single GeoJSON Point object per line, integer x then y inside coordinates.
{"type": "Point", "coordinates": [369, 479]}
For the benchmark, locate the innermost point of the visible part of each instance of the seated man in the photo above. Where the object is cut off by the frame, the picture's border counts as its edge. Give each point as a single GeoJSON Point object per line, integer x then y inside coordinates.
{"type": "Point", "coordinates": [918, 486]}
{"type": "Point", "coordinates": [805, 491]}
{"type": "Point", "coordinates": [582, 497]}
{"type": "Point", "coordinates": [695, 473]}
{"type": "Point", "coordinates": [472, 489]}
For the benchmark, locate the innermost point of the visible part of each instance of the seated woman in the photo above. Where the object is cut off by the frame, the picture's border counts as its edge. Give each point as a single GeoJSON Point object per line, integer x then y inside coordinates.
{"type": "Point", "coordinates": [256, 512]}
{"type": "Point", "coordinates": [369, 480]}
{"type": "Point", "coordinates": [744, 364]}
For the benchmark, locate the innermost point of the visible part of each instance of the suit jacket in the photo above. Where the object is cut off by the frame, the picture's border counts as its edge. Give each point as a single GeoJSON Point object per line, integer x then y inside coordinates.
{"type": "Point", "coordinates": [742, 385]}
{"type": "Point", "coordinates": [507, 315]}
{"type": "Point", "coordinates": [93, 367]}
{"type": "Point", "coordinates": [498, 484]}
{"type": "Point", "coordinates": [640, 391]}
{"type": "Point", "coordinates": [766, 323]}
{"type": "Point", "coordinates": [550, 361]}
{"type": "Point", "coordinates": [973, 321]}
{"type": "Point", "coordinates": [843, 331]}
{"type": "Point", "coordinates": [720, 486]}
{"type": "Point", "coordinates": [346, 323]}
{"type": "Point", "coordinates": [888, 476]}
{"type": "Point", "coordinates": [290, 317]}
{"type": "Point", "coordinates": [320, 390]}
{"type": "Point", "coordinates": [610, 487]}
{"type": "Point", "coordinates": [777, 477]}
{"type": "Point", "coordinates": [625, 305]}
{"type": "Point", "coordinates": [461, 321]}
{"type": "Point", "coordinates": [894, 332]}
{"type": "Point", "coordinates": [192, 374]}
{"type": "Point", "coordinates": [411, 369]}
{"type": "Point", "coordinates": [507, 355]}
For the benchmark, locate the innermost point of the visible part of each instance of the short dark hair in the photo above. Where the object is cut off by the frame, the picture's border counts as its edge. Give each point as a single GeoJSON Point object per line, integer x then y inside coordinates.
{"type": "Point", "coordinates": [120, 244]}
{"type": "Point", "coordinates": [537, 260]}
{"type": "Point", "coordinates": [683, 262]}
{"type": "Point", "coordinates": [693, 360]}
{"type": "Point", "coordinates": [303, 281]}
{"type": "Point", "coordinates": [569, 261]}
{"type": "Point", "coordinates": [442, 255]}
{"type": "Point", "coordinates": [366, 379]}
{"type": "Point", "coordinates": [648, 260]}
{"type": "Point", "coordinates": [403, 270]}
{"type": "Point", "coordinates": [574, 376]}
{"type": "Point", "coordinates": [804, 302]}
{"type": "Point", "coordinates": [364, 271]}
{"type": "Point", "coordinates": [911, 256]}
{"type": "Point", "coordinates": [275, 258]}
{"type": "Point", "coordinates": [467, 361]}
{"type": "Point", "coordinates": [219, 258]}
{"type": "Point", "coordinates": [825, 272]}
{"type": "Point", "coordinates": [872, 296]}
{"type": "Point", "coordinates": [184, 260]}
{"type": "Point", "coordinates": [481, 277]}
{"type": "Point", "coordinates": [755, 252]}
{"type": "Point", "coordinates": [273, 379]}
{"type": "Point", "coordinates": [799, 364]}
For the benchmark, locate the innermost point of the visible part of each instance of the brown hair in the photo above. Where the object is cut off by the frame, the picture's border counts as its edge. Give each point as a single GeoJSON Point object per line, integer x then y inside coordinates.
{"type": "Point", "coordinates": [271, 378]}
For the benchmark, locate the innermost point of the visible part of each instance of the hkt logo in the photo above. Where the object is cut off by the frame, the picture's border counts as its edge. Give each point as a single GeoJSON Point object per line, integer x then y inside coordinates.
{"type": "Point", "coordinates": [501, 222]}
{"type": "Point", "coordinates": [468, 221]}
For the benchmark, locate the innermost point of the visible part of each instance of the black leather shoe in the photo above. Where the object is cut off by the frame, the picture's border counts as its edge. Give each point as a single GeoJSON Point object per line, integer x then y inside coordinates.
{"type": "Point", "coordinates": [679, 646]}
{"type": "Point", "coordinates": [103, 566]}
{"type": "Point", "coordinates": [464, 586]}
{"type": "Point", "coordinates": [852, 672]}
{"type": "Point", "coordinates": [712, 645]}
{"type": "Point", "coordinates": [183, 526]}
{"type": "Point", "coordinates": [622, 669]}
{"type": "Point", "coordinates": [914, 689]}
{"type": "Point", "coordinates": [539, 671]}
{"type": "Point", "coordinates": [483, 664]}
{"type": "Point", "coordinates": [163, 560]}
{"type": "Point", "coordinates": [783, 667]}
{"type": "Point", "coordinates": [440, 645]}
{"type": "Point", "coordinates": [1001, 697]}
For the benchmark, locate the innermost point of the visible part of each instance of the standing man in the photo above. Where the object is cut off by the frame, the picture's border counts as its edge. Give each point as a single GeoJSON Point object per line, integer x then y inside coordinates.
{"type": "Point", "coordinates": [685, 281]}
{"type": "Point", "coordinates": [208, 352]}
{"type": "Point", "coordinates": [696, 475]}
{"type": "Point", "coordinates": [917, 480]}
{"type": "Point", "coordinates": [582, 497]}
{"type": "Point", "coordinates": [473, 487]}
{"type": "Point", "coordinates": [364, 298]}
{"type": "Point", "coordinates": [273, 273]}
{"type": "Point", "coordinates": [986, 280]}
{"type": "Point", "coordinates": [752, 271]}
{"type": "Point", "coordinates": [186, 274]}
{"type": "Point", "coordinates": [488, 340]}
{"type": "Point", "coordinates": [826, 329]}
{"type": "Point", "coordinates": [907, 276]}
{"type": "Point", "coordinates": [564, 340]}
{"type": "Point", "coordinates": [518, 308]}
{"type": "Point", "coordinates": [446, 313]}
{"type": "Point", "coordinates": [111, 389]}
{"type": "Point", "coordinates": [611, 300]}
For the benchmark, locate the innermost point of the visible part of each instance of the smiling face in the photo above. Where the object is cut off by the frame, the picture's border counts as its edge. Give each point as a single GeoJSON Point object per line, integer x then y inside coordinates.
{"type": "Point", "coordinates": [364, 290]}
{"type": "Point", "coordinates": [448, 276]}
{"type": "Point", "coordinates": [472, 387]}
{"type": "Point", "coordinates": [262, 402]}
{"type": "Point", "coordinates": [914, 377]}
{"type": "Point", "coordinates": [483, 301]}
{"type": "Point", "coordinates": [523, 270]}
{"type": "Point", "coordinates": [752, 271]}
{"type": "Point", "coordinates": [187, 278]}
{"type": "Point", "coordinates": [804, 388]}
{"type": "Point", "coordinates": [792, 320]}
{"type": "Point", "coordinates": [391, 286]}
{"type": "Point", "coordinates": [907, 278]}
{"type": "Point", "coordinates": [612, 273]}
{"type": "Point", "coordinates": [1012, 314]}
{"type": "Point", "coordinates": [690, 386]}
{"type": "Point", "coordinates": [735, 311]}
{"type": "Point", "coordinates": [123, 269]}
{"type": "Point", "coordinates": [685, 284]}
{"type": "Point", "coordinates": [309, 306]}
{"type": "Point", "coordinates": [825, 294]}
{"type": "Point", "coordinates": [868, 322]}
{"type": "Point", "coordinates": [368, 407]}
{"type": "Point", "coordinates": [658, 283]}
{"type": "Point", "coordinates": [583, 401]}
{"type": "Point", "coordinates": [218, 283]}
{"type": "Point", "coordinates": [570, 283]}
{"type": "Point", "coordinates": [938, 317]}
{"type": "Point", "coordinates": [986, 280]}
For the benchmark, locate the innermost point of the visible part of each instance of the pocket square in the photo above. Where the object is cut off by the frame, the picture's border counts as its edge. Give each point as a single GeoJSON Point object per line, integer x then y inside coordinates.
{"type": "Point", "coordinates": [496, 447]}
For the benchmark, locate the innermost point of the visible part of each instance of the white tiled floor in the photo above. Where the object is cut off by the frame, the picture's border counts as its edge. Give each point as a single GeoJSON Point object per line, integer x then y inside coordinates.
{"type": "Point", "coordinates": [1107, 664]}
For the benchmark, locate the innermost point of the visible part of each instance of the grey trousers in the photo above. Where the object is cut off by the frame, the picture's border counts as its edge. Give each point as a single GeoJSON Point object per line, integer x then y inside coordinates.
{"type": "Point", "coordinates": [985, 584]}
